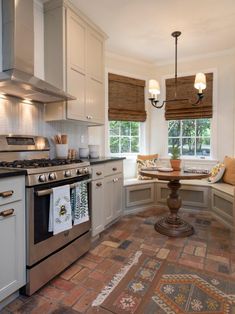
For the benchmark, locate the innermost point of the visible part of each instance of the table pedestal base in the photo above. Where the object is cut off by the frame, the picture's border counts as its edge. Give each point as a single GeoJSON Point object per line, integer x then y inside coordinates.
{"type": "Point", "coordinates": [173, 225]}
{"type": "Point", "coordinates": [181, 229]}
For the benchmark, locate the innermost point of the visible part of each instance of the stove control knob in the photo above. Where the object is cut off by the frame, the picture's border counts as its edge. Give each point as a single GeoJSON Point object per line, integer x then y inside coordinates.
{"type": "Point", "coordinates": [52, 176]}
{"type": "Point", "coordinates": [42, 178]}
{"type": "Point", "coordinates": [67, 173]}
{"type": "Point", "coordinates": [85, 170]}
{"type": "Point", "coordinates": [80, 171]}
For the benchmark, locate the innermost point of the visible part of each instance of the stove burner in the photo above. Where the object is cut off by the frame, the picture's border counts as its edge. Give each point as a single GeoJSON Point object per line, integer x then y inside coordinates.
{"type": "Point", "coordinates": [38, 163]}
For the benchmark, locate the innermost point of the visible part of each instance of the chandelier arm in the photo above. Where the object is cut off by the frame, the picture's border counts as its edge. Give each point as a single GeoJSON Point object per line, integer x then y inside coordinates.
{"type": "Point", "coordinates": [199, 100]}
{"type": "Point", "coordinates": [155, 102]}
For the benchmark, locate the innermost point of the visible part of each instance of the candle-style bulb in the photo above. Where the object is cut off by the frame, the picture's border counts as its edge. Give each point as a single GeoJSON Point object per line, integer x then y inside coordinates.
{"type": "Point", "coordinates": [200, 82]}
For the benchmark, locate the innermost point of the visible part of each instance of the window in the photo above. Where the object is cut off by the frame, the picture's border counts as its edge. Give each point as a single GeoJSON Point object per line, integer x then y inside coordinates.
{"type": "Point", "coordinates": [192, 136]}
{"type": "Point", "coordinates": [124, 137]}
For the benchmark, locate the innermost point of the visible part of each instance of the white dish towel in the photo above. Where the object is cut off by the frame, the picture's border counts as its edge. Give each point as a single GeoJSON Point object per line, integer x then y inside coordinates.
{"type": "Point", "coordinates": [79, 200]}
{"type": "Point", "coordinates": [60, 216]}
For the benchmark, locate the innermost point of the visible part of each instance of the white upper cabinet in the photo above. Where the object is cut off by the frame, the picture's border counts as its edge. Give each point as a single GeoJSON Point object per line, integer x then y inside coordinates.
{"type": "Point", "coordinates": [82, 61]}
{"type": "Point", "coordinates": [95, 56]}
{"type": "Point", "coordinates": [76, 38]}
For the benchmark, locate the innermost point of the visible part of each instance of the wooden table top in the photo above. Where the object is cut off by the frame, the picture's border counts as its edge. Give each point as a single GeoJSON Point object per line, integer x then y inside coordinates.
{"type": "Point", "coordinates": [173, 175]}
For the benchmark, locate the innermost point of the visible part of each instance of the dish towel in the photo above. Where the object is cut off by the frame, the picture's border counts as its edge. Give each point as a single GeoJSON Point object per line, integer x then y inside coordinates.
{"type": "Point", "coordinates": [60, 216]}
{"type": "Point", "coordinates": [79, 201]}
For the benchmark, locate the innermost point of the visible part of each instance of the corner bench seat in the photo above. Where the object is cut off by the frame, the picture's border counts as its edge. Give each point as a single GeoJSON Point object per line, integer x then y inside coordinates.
{"type": "Point", "coordinates": [218, 198]}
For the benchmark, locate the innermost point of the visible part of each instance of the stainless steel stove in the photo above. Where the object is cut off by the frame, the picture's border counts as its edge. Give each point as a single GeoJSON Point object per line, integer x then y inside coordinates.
{"type": "Point", "coordinates": [32, 153]}
{"type": "Point", "coordinates": [47, 254]}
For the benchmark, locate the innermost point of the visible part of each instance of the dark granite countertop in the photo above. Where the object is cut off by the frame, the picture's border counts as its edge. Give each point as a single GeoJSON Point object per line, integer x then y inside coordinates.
{"type": "Point", "coordinates": [101, 160]}
{"type": "Point", "coordinates": [4, 173]}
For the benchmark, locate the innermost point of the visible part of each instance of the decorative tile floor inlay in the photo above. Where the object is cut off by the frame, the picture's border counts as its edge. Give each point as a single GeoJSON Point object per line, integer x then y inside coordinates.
{"type": "Point", "coordinates": [211, 250]}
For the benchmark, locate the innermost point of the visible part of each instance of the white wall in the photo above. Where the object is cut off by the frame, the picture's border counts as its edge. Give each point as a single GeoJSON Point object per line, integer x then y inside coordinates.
{"type": "Point", "coordinates": [223, 137]}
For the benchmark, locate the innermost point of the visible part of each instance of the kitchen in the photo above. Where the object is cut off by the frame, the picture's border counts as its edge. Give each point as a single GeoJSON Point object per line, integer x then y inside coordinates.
{"type": "Point", "coordinates": [56, 85]}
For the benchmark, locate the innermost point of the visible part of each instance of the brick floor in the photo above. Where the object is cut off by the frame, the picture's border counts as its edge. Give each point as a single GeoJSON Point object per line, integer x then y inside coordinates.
{"type": "Point", "coordinates": [211, 248]}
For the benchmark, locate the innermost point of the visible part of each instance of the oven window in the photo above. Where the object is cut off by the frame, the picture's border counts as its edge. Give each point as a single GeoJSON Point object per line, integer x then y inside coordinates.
{"type": "Point", "coordinates": [41, 212]}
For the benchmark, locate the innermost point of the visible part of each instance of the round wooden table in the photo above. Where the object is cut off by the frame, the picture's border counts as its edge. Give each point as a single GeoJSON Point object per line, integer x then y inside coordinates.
{"type": "Point", "coordinates": [173, 225]}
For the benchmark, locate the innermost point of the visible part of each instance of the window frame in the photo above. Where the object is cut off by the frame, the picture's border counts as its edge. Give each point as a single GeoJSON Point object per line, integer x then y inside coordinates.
{"type": "Point", "coordinates": [181, 137]}
{"type": "Point", "coordinates": [141, 141]}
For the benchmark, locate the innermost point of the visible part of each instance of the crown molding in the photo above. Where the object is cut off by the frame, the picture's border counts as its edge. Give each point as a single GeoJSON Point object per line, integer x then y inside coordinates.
{"type": "Point", "coordinates": [116, 56]}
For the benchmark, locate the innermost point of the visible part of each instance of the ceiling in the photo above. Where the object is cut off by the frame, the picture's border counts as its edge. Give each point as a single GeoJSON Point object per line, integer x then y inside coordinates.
{"type": "Point", "coordinates": [141, 29]}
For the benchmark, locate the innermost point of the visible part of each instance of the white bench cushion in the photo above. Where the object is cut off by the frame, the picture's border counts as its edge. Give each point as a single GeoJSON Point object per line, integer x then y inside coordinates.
{"type": "Point", "coordinates": [220, 186]}
{"type": "Point", "coordinates": [223, 187]}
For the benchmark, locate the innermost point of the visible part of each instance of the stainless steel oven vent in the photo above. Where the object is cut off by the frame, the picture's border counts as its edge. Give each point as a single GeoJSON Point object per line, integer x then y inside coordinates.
{"type": "Point", "coordinates": [17, 78]}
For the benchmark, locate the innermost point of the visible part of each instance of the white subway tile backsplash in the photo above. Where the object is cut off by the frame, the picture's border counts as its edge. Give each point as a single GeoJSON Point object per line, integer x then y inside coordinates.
{"type": "Point", "coordinates": [28, 119]}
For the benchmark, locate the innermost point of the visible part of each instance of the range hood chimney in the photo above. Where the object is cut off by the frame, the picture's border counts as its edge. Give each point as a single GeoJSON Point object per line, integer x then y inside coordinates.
{"type": "Point", "coordinates": [17, 78]}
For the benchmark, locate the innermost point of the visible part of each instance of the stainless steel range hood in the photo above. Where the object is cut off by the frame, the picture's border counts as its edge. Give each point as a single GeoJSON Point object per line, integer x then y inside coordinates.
{"type": "Point", "coordinates": [17, 78]}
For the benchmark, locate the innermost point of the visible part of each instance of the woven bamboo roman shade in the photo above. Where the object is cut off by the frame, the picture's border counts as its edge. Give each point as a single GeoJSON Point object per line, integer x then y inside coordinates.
{"type": "Point", "coordinates": [185, 89]}
{"type": "Point", "coordinates": [126, 99]}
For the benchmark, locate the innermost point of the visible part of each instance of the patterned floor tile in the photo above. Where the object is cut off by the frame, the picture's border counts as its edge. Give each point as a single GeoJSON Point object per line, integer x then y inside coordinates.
{"type": "Point", "coordinates": [211, 248]}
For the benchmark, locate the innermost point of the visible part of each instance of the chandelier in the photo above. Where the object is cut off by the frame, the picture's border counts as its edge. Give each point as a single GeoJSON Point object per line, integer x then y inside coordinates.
{"type": "Point", "coordinates": [154, 87]}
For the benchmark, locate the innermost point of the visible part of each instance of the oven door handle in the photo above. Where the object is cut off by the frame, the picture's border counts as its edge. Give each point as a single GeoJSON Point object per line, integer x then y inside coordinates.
{"type": "Point", "coordinates": [49, 191]}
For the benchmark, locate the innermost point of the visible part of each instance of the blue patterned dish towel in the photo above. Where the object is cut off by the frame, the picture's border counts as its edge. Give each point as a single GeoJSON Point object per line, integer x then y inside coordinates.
{"type": "Point", "coordinates": [60, 215]}
{"type": "Point", "coordinates": [79, 203]}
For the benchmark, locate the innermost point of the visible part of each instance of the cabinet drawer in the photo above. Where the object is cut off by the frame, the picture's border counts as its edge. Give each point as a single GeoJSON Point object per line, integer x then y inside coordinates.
{"type": "Point", "coordinates": [11, 189]}
{"type": "Point", "coordinates": [97, 172]}
{"type": "Point", "coordinates": [111, 168]}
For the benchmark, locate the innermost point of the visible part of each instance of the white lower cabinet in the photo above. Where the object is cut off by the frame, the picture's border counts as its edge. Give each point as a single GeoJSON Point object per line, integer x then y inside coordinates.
{"type": "Point", "coordinates": [97, 205]}
{"type": "Point", "coordinates": [12, 237]}
{"type": "Point", "coordinates": [106, 196]}
{"type": "Point", "coordinates": [113, 206]}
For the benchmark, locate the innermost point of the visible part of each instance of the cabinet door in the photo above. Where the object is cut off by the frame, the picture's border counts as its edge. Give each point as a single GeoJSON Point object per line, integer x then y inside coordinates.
{"type": "Point", "coordinates": [113, 197]}
{"type": "Point", "coordinates": [95, 107]}
{"type": "Point", "coordinates": [76, 65]}
{"type": "Point", "coordinates": [95, 55]}
{"type": "Point", "coordinates": [117, 196]}
{"type": "Point", "coordinates": [97, 207]}
{"type": "Point", "coordinates": [12, 248]}
{"type": "Point", "coordinates": [109, 183]}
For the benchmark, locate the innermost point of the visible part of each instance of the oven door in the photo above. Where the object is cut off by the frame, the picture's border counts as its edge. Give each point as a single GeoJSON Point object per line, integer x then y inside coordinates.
{"type": "Point", "coordinates": [40, 242]}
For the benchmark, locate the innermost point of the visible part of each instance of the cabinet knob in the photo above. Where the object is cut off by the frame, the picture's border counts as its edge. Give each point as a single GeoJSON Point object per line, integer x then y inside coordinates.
{"type": "Point", "coordinates": [98, 173]}
{"type": "Point", "coordinates": [99, 184]}
{"type": "Point", "coordinates": [115, 180]}
{"type": "Point", "coordinates": [6, 193]}
{"type": "Point", "coordinates": [7, 212]}
{"type": "Point", "coordinates": [114, 169]}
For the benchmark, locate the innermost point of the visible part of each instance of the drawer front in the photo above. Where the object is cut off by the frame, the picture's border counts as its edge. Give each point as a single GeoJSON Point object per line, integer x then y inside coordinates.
{"type": "Point", "coordinates": [111, 168]}
{"type": "Point", "coordinates": [98, 172]}
{"type": "Point", "coordinates": [11, 189]}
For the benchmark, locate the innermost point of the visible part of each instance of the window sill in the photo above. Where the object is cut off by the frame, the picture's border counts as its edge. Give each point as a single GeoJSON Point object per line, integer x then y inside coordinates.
{"type": "Point", "coordinates": [193, 159]}
{"type": "Point", "coordinates": [127, 156]}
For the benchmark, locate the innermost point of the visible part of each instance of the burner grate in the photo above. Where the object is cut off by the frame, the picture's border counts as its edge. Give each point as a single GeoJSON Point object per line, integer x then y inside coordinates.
{"type": "Point", "coordinates": [38, 163]}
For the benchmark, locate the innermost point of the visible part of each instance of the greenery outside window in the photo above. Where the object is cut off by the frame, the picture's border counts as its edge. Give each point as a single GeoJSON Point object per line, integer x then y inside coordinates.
{"type": "Point", "coordinates": [193, 136]}
{"type": "Point", "coordinates": [124, 137]}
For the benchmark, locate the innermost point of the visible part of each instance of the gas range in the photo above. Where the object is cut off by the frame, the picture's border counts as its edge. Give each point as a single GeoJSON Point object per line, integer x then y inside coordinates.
{"type": "Point", "coordinates": [45, 250]}
{"type": "Point", "coordinates": [32, 155]}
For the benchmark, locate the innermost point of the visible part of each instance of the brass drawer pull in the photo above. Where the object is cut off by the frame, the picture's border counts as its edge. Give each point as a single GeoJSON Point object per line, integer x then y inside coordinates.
{"type": "Point", "coordinates": [98, 173]}
{"type": "Point", "coordinates": [99, 184]}
{"type": "Point", "coordinates": [7, 212]}
{"type": "Point", "coordinates": [6, 193]}
{"type": "Point", "coordinates": [114, 169]}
